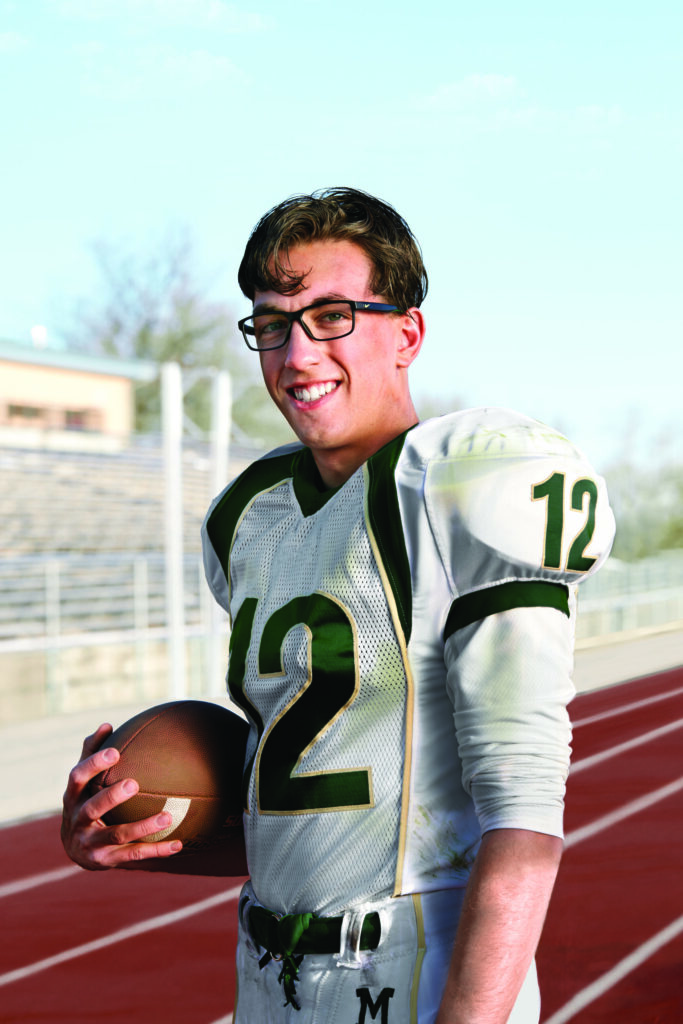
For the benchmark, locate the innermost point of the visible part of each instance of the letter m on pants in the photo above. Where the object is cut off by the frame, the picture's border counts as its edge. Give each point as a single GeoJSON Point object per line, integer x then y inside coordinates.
{"type": "Point", "coordinates": [380, 1006]}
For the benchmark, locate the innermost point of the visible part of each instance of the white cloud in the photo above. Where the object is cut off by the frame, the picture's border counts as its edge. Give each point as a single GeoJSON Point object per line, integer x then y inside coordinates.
{"type": "Point", "coordinates": [598, 118]}
{"type": "Point", "coordinates": [91, 49]}
{"type": "Point", "coordinates": [199, 14]}
{"type": "Point", "coordinates": [198, 66]}
{"type": "Point", "coordinates": [151, 71]}
{"type": "Point", "coordinates": [12, 42]}
{"type": "Point", "coordinates": [485, 103]}
{"type": "Point", "coordinates": [472, 92]}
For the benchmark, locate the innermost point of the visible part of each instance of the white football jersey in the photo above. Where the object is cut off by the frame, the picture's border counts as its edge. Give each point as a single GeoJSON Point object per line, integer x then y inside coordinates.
{"type": "Point", "coordinates": [402, 648]}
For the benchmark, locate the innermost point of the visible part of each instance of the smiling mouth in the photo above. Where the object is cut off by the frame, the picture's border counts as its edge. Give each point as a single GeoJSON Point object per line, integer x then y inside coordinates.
{"type": "Point", "coordinates": [314, 392]}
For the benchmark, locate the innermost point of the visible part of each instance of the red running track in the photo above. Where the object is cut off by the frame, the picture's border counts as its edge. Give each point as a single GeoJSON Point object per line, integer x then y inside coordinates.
{"type": "Point", "coordinates": [613, 941]}
{"type": "Point", "coordinates": [79, 947]}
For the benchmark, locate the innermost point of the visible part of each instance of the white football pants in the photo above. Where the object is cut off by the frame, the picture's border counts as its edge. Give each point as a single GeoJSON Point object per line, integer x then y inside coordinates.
{"type": "Point", "coordinates": [400, 982]}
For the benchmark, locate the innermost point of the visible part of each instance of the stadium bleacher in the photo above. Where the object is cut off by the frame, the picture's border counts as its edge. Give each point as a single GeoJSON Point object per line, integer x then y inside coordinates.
{"type": "Point", "coordinates": [56, 502]}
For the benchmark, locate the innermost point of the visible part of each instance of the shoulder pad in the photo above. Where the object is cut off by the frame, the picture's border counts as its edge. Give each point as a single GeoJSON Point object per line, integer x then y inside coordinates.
{"type": "Point", "coordinates": [510, 498]}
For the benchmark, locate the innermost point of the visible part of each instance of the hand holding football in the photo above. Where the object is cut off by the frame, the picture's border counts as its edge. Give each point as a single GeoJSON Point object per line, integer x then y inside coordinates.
{"type": "Point", "coordinates": [188, 758]}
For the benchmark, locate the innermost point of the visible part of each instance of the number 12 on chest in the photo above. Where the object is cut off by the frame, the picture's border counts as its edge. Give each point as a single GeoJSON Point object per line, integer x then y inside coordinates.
{"type": "Point", "coordinates": [330, 689]}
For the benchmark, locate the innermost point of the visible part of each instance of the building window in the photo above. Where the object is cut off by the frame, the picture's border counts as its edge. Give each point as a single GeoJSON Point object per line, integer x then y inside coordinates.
{"type": "Point", "coordinates": [75, 419]}
{"type": "Point", "coordinates": [83, 419]}
{"type": "Point", "coordinates": [25, 413]}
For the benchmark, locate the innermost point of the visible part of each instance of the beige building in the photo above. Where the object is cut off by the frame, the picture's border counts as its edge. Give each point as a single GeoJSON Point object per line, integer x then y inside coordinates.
{"type": "Point", "coordinates": [54, 399]}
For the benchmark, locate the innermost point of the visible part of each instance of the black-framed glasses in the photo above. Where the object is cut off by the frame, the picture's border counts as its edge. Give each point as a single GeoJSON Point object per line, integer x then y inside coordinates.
{"type": "Point", "coordinates": [322, 321]}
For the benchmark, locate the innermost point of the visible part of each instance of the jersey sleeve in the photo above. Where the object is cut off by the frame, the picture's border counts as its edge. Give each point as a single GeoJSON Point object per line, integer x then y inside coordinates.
{"type": "Point", "coordinates": [520, 518]}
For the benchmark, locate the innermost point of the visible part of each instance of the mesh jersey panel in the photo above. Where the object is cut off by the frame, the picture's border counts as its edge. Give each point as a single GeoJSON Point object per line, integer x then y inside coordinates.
{"type": "Point", "coordinates": [339, 851]}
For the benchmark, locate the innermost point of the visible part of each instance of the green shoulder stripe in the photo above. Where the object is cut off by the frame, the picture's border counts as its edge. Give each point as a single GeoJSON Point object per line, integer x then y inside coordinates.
{"type": "Point", "coordinates": [500, 598]}
{"type": "Point", "coordinates": [385, 521]}
{"type": "Point", "coordinates": [260, 476]}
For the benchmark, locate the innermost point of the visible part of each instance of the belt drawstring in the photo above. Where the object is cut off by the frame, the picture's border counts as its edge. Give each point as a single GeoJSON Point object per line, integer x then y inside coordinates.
{"type": "Point", "coordinates": [290, 928]}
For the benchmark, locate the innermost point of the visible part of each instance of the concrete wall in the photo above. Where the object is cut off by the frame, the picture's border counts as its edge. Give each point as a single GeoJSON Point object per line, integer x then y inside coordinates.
{"type": "Point", "coordinates": [40, 684]}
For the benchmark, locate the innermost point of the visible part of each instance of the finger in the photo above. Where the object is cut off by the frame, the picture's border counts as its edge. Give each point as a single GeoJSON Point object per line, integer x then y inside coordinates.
{"type": "Point", "coordinates": [121, 845]}
{"type": "Point", "coordinates": [135, 831]}
{"type": "Point", "coordinates": [98, 855]}
{"type": "Point", "coordinates": [98, 804]}
{"type": "Point", "coordinates": [95, 740]}
{"type": "Point", "coordinates": [148, 851]}
{"type": "Point", "coordinates": [95, 810]}
{"type": "Point", "coordinates": [86, 770]}
{"type": "Point", "coordinates": [132, 853]}
{"type": "Point", "coordinates": [95, 845]}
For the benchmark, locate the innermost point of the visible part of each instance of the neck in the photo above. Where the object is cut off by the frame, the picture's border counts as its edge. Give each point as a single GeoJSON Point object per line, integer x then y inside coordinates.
{"type": "Point", "coordinates": [337, 465]}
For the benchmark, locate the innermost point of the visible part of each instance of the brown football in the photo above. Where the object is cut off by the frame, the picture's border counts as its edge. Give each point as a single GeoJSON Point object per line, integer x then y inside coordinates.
{"type": "Point", "coordinates": [187, 757]}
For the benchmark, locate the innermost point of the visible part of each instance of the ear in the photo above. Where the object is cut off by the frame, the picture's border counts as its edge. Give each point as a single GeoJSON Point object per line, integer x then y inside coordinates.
{"type": "Point", "coordinates": [412, 336]}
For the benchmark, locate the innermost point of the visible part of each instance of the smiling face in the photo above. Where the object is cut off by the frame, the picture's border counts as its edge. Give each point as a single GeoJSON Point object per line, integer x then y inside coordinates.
{"type": "Point", "coordinates": [344, 398]}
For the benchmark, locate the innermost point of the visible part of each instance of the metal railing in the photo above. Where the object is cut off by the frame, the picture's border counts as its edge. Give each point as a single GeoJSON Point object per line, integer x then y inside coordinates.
{"type": "Point", "coordinates": [631, 596]}
{"type": "Point", "coordinates": [81, 631]}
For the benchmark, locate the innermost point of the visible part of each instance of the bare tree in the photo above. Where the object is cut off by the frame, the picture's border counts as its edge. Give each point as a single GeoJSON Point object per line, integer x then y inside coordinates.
{"type": "Point", "coordinates": [151, 307]}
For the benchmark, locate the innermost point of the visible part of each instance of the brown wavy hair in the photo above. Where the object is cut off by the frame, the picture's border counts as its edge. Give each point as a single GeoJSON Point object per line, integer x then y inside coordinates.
{"type": "Point", "coordinates": [398, 273]}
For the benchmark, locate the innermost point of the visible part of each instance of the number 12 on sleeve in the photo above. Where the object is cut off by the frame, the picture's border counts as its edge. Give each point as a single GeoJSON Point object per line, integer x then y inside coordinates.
{"type": "Point", "coordinates": [552, 490]}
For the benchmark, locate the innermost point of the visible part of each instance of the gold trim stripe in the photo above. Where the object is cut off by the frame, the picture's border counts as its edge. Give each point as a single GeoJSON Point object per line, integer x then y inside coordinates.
{"type": "Point", "coordinates": [421, 952]}
{"type": "Point", "coordinates": [410, 688]}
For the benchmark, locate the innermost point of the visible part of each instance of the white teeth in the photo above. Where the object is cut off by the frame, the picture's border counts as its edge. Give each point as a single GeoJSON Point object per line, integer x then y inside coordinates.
{"type": "Point", "coordinates": [314, 392]}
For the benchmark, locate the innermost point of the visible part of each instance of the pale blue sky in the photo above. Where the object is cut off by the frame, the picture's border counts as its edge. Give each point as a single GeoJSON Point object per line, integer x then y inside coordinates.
{"type": "Point", "coordinates": [536, 149]}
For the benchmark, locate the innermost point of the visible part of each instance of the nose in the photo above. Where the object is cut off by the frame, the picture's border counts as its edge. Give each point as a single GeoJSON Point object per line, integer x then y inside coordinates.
{"type": "Point", "coordinates": [302, 351]}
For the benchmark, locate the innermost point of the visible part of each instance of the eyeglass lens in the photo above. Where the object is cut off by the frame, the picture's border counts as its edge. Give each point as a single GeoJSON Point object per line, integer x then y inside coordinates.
{"type": "Point", "coordinates": [331, 320]}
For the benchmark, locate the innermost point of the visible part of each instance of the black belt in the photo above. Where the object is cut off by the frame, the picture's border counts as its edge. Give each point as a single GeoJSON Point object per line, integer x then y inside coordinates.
{"type": "Point", "coordinates": [290, 937]}
{"type": "Point", "coordinates": [317, 934]}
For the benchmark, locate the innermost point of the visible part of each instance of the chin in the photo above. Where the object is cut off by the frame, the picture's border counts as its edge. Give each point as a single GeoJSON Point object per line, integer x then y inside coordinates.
{"type": "Point", "coordinates": [310, 434]}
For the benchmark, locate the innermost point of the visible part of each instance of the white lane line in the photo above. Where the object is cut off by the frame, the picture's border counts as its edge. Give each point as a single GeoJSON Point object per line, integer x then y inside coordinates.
{"type": "Point", "coordinates": [621, 748]}
{"type": "Point", "coordinates": [608, 980]}
{"type": "Point", "coordinates": [224, 1020]}
{"type": "Point", "coordinates": [624, 708]}
{"type": "Point", "coordinates": [642, 803]}
{"type": "Point", "coordinates": [11, 888]}
{"type": "Point", "coordinates": [125, 933]}
{"type": "Point", "coordinates": [638, 956]}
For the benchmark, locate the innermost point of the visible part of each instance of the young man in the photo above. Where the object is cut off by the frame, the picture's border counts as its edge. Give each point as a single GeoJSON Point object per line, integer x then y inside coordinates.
{"type": "Point", "coordinates": [402, 601]}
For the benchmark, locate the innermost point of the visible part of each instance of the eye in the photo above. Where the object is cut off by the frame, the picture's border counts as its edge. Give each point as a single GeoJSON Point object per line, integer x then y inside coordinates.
{"type": "Point", "coordinates": [334, 318]}
{"type": "Point", "coordinates": [271, 325]}
{"type": "Point", "coordinates": [269, 328]}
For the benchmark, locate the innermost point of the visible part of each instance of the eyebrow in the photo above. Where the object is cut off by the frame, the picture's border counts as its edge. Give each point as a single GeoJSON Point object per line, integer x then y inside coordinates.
{"type": "Point", "coordinates": [269, 307]}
